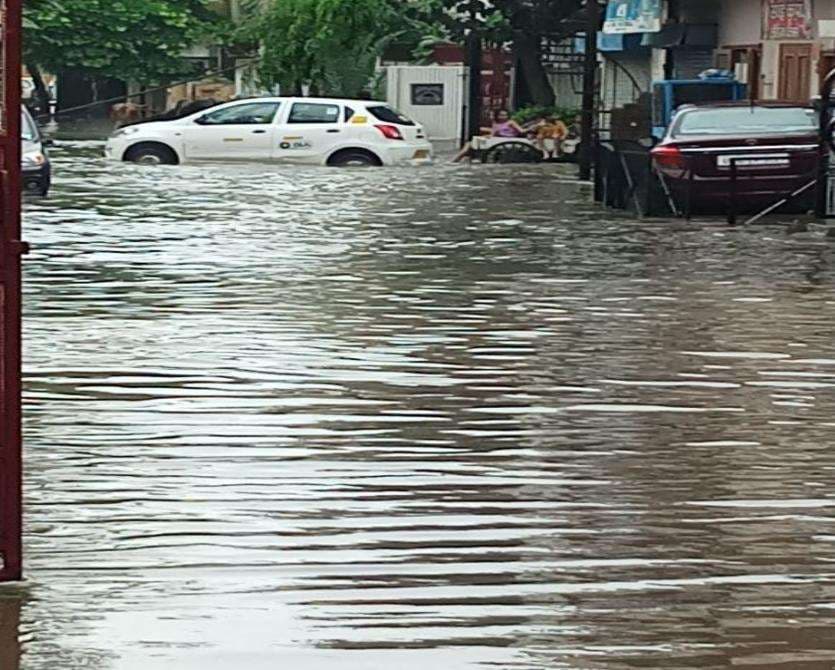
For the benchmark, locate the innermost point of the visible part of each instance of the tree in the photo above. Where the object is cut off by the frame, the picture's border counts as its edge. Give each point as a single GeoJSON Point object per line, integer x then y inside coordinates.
{"type": "Point", "coordinates": [326, 46]}
{"type": "Point", "coordinates": [138, 40]}
{"type": "Point", "coordinates": [523, 23]}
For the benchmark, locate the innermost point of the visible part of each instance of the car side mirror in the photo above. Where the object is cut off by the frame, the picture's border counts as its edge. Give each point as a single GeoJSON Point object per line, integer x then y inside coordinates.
{"type": "Point", "coordinates": [48, 142]}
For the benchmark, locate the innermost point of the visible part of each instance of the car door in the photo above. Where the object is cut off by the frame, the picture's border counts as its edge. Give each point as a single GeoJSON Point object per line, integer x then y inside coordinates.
{"type": "Point", "coordinates": [310, 132]}
{"type": "Point", "coordinates": [244, 131]}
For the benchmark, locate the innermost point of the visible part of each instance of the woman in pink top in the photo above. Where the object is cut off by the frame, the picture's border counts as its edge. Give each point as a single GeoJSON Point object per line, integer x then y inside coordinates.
{"type": "Point", "coordinates": [503, 126]}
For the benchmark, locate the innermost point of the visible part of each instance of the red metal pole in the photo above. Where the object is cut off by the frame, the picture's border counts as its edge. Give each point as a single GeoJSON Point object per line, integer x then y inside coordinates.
{"type": "Point", "coordinates": [11, 248]}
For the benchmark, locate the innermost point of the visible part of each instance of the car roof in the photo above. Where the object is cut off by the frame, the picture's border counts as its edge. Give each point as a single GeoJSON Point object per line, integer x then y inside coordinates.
{"type": "Point", "coordinates": [299, 98]}
{"type": "Point", "coordinates": [725, 104]}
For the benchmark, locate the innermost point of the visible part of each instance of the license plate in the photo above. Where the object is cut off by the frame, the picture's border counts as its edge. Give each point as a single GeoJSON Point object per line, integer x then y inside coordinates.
{"type": "Point", "coordinates": [761, 161]}
{"type": "Point", "coordinates": [421, 153]}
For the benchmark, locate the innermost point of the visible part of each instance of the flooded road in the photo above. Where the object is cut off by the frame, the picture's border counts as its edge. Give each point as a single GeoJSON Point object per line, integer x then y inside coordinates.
{"type": "Point", "coordinates": [453, 417]}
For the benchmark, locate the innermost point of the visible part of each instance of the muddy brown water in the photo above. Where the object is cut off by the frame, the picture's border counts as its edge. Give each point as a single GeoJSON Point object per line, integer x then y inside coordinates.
{"type": "Point", "coordinates": [450, 417]}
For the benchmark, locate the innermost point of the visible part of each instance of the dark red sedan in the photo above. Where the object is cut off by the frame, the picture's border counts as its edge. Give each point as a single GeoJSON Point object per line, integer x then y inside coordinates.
{"type": "Point", "coordinates": [774, 147]}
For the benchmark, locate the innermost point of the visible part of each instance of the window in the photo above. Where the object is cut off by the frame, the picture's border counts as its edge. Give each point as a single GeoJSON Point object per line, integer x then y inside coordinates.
{"type": "Point", "coordinates": [747, 120]}
{"type": "Point", "coordinates": [388, 115]}
{"type": "Point", "coordinates": [349, 114]}
{"type": "Point", "coordinates": [253, 113]}
{"type": "Point", "coordinates": [427, 95]}
{"type": "Point", "coordinates": [314, 112]}
{"type": "Point", "coordinates": [28, 129]}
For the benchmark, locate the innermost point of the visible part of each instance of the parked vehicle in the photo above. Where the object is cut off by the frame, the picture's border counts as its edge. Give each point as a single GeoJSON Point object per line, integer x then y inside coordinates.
{"type": "Point", "coordinates": [773, 146]}
{"type": "Point", "coordinates": [313, 131]}
{"type": "Point", "coordinates": [671, 94]}
{"type": "Point", "coordinates": [35, 166]}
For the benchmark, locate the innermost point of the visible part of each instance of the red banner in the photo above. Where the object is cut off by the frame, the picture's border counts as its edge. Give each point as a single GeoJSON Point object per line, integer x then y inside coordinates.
{"type": "Point", "coordinates": [787, 19]}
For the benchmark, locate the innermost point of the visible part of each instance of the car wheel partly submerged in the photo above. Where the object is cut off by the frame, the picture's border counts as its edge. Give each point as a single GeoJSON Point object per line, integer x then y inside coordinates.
{"type": "Point", "coordinates": [351, 158]}
{"type": "Point", "coordinates": [151, 154]}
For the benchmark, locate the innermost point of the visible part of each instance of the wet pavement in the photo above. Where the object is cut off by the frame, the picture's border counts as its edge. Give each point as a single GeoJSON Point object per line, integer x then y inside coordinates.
{"type": "Point", "coordinates": [455, 416]}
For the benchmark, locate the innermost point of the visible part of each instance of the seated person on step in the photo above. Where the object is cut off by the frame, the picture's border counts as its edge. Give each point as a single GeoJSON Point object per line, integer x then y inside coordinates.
{"type": "Point", "coordinates": [503, 126]}
{"type": "Point", "coordinates": [550, 134]}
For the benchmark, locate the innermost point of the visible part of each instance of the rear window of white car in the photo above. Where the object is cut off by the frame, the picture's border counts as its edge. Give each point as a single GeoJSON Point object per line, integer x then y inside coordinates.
{"type": "Point", "coordinates": [746, 120]}
{"type": "Point", "coordinates": [388, 114]}
{"type": "Point", "coordinates": [314, 112]}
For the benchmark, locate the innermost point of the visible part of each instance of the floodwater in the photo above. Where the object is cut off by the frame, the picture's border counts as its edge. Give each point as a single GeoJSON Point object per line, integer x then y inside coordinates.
{"type": "Point", "coordinates": [452, 417]}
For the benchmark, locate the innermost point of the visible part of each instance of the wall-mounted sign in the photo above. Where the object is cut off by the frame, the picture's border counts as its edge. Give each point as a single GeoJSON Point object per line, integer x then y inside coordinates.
{"type": "Point", "coordinates": [787, 19]}
{"type": "Point", "coordinates": [632, 16]}
{"type": "Point", "coordinates": [427, 95]}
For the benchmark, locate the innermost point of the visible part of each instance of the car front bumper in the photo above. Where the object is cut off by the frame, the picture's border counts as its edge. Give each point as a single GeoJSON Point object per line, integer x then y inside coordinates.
{"type": "Point", "coordinates": [113, 150]}
{"type": "Point", "coordinates": [36, 180]}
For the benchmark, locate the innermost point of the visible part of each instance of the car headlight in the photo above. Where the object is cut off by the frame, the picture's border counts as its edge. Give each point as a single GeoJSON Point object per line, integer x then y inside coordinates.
{"type": "Point", "coordinates": [130, 130]}
{"type": "Point", "coordinates": [33, 159]}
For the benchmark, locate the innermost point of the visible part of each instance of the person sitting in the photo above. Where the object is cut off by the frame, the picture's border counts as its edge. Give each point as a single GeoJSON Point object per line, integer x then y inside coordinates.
{"type": "Point", "coordinates": [503, 126]}
{"type": "Point", "coordinates": [550, 134]}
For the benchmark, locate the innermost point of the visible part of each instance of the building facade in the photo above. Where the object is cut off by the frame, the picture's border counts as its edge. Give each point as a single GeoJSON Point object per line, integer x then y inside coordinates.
{"type": "Point", "coordinates": [782, 48]}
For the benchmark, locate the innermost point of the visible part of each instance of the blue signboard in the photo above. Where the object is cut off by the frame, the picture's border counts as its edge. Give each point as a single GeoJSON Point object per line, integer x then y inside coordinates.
{"type": "Point", "coordinates": [632, 16]}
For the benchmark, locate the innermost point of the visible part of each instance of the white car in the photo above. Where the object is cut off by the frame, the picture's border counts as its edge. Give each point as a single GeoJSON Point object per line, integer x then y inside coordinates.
{"type": "Point", "coordinates": [312, 131]}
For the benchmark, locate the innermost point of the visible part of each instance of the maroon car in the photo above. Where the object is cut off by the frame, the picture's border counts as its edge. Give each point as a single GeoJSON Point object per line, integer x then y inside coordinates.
{"type": "Point", "coordinates": [774, 147]}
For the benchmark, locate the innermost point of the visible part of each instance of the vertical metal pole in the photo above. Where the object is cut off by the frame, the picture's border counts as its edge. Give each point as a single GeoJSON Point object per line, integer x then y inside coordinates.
{"type": "Point", "coordinates": [825, 144]}
{"type": "Point", "coordinates": [689, 201]}
{"type": "Point", "coordinates": [587, 153]}
{"type": "Point", "coordinates": [732, 203]}
{"type": "Point", "coordinates": [10, 250]}
{"type": "Point", "coordinates": [474, 64]}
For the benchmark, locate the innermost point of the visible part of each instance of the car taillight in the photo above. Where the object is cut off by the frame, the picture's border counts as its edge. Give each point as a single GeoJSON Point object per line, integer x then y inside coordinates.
{"type": "Point", "coordinates": [668, 156]}
{"type": "Point", "coordinates": [389, 132]}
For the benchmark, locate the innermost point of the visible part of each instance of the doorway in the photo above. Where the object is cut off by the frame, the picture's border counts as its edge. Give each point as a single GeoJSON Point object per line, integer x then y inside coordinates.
{"type": "Point", "coordinates": [826, 64]}
{"type": "Point", "coordinates": [795, 72]}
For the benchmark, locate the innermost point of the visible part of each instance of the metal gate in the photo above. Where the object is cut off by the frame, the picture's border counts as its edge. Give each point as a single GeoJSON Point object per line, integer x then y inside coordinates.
{"type": "Point", "coordinates": [11, 249]}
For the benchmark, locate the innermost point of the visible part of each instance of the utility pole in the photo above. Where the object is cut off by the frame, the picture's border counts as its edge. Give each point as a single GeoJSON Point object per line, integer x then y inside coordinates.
{"type": "Point", "coordinates": [474, 64]}
{"type": "Point", "coordinates": [11, 248]}
{"type": "Point", "coordinates": [587, 135]}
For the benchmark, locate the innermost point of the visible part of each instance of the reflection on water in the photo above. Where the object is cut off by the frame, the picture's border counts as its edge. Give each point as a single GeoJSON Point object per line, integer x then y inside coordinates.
{"type": "Point", "coordinates": [341, 419]}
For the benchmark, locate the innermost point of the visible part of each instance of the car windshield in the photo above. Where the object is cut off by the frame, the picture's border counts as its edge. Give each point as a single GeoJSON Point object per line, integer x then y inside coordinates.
{"type": "Point", "coordinates": [388, 114]}
{"type": "Point", "coordinates": [28, 131]}
{"type": "Point", "coordinates": [746, 120]}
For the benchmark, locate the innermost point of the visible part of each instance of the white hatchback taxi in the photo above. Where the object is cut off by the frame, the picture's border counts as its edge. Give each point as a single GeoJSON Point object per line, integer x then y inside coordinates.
{"type": "Point", "coordinates": [311, 131]}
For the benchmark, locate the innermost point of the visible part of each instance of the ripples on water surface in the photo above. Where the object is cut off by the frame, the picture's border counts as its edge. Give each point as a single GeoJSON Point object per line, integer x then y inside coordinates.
{"type": "Point", "coordinates": [390, 418]}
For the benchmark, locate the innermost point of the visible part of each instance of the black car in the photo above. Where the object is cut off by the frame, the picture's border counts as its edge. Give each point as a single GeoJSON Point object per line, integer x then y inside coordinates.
{"type": "Point", "coordinates": [35, 166]}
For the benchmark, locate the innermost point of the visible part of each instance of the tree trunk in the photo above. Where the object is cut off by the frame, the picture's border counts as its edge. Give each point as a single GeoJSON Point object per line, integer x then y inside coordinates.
{"type": "Point", "coordinates": [41, 92]}
{"type": "Point", "coordinates": [530, 62]}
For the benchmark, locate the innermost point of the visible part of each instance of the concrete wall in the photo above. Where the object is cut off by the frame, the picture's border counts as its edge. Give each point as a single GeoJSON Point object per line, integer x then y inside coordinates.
{"type": "Point", "coordinates": [701, 11]}
{"type": "Point", "coordinates": [824, 9]}
{"type": "Point", "coordinates": [740, 22]}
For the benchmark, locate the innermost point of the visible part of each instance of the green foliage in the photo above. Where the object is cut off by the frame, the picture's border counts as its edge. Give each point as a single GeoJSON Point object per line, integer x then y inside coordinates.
{"type": "Point", "coordinates": [330, 46]}
{"type": "Point", "coordinates": [528, 114]}
{"type": "Point", "coordinates": [140, 40]}
{"type": "Point", "coordinates": [521, 22]}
